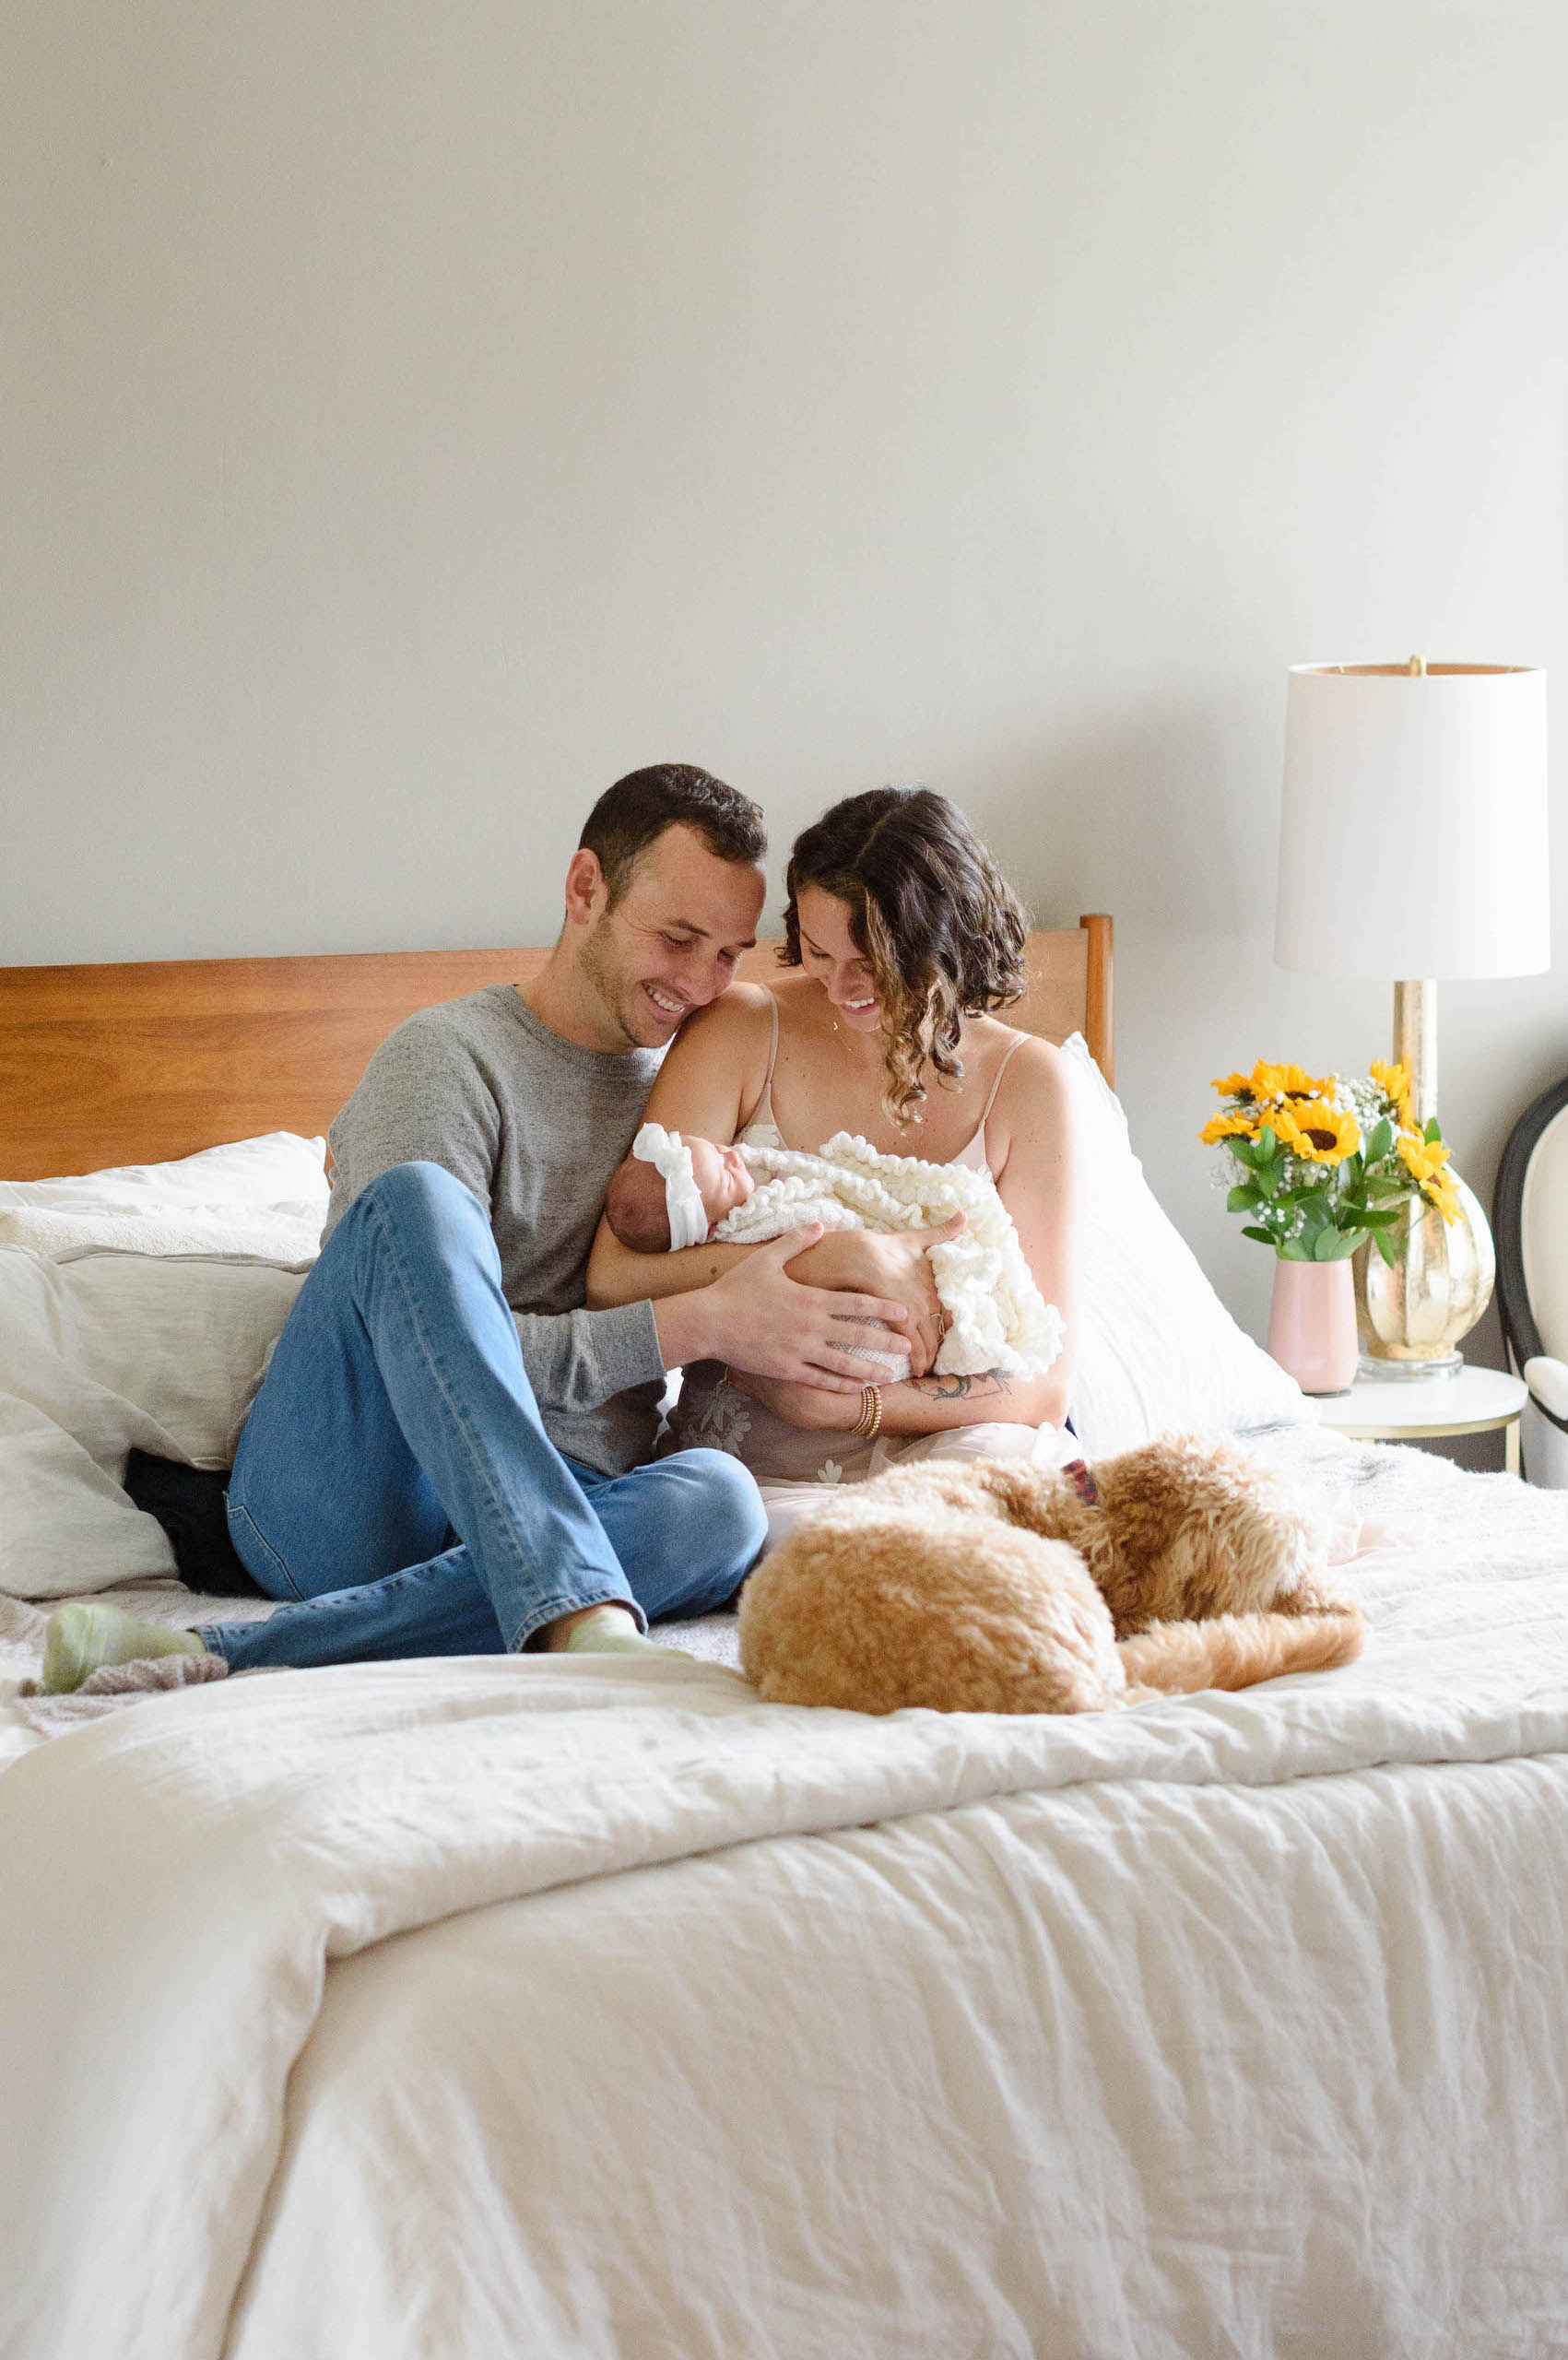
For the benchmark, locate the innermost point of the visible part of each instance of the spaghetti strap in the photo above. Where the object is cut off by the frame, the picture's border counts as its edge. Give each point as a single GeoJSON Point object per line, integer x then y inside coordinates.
{"type": "Point", "coordinates": [1001, 1069]}
{"type": "Point", "coordinates": [762, 1116]}
{"type": "Point", "coordinates": [774, 1046]}
{"type": "Point", "coordinates": [979, 1138]}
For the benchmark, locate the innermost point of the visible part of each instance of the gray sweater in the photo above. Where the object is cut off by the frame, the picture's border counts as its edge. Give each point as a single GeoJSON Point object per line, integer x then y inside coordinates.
{"type": "Point", "coordinates": [533, 1126]}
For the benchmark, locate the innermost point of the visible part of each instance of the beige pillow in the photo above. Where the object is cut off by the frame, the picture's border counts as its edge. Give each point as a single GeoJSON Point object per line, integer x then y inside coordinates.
{"type": "Point", "coordinates": [101, 1351]}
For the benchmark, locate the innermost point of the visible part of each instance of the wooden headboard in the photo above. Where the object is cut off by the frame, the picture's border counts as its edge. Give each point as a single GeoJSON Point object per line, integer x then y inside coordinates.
{"type": "Point", "coordinates": [137, 1063]}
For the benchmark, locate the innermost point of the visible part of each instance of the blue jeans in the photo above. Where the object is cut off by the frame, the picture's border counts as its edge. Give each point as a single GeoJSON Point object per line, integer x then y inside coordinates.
{"type": "Point", "coordinates": [396, 1487]}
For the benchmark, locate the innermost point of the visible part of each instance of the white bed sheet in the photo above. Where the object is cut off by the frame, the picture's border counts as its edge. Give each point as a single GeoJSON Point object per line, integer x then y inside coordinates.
{"type": "Point", "coordinates": [660, 2022]}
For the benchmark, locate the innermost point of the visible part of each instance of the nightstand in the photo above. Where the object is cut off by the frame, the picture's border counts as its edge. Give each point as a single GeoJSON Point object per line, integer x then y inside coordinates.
{"type": "Point", "coordinates": [1477, 1402]}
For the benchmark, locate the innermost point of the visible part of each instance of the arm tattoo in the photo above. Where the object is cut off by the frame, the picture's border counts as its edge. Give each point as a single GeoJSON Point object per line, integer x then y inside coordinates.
{"type": "Point", "coordinates": [988, 1385]}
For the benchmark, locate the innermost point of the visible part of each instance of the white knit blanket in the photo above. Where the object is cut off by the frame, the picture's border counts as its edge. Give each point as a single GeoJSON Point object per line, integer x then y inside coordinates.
{"type": "Point", "coordinates": [1000, 1319]}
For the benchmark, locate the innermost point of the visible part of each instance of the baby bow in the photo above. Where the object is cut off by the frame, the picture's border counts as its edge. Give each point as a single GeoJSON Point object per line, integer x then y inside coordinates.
{"type": "Point", "coordinates": [669, 1155]}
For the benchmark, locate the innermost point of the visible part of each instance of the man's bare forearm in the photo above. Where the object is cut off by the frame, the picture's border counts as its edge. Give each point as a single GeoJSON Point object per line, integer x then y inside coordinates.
{"type": "Point", "coordinates": [686, 1328]}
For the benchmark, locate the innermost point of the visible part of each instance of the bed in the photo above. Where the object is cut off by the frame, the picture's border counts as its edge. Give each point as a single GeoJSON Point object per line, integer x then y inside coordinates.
{"type": "Point", "coordinates": [505, 2005]}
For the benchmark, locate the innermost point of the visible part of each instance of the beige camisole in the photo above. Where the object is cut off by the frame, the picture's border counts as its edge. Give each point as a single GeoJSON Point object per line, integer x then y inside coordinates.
{"type": "Point", "coordinates": [762, 1130]}
{"type": "Point", "coordinates": [712, 1413]}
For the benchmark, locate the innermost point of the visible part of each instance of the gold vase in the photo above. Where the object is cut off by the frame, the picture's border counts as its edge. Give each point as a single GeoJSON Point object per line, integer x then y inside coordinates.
{"type": "Point", "coordinates": [1410, 1317]}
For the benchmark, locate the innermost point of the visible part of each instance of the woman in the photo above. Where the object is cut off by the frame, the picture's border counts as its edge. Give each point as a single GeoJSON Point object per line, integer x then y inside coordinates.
{"type": "Point", "coordinates": [906, 937]}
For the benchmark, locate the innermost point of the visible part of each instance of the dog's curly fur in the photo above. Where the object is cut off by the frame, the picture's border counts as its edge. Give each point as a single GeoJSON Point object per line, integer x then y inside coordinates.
{"type": "Point", "coordinates": [994, 1585]}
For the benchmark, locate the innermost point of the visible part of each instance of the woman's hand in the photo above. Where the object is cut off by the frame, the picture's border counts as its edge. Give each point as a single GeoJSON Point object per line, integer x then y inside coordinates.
{"type": "Point", "coordinates": [805, 1406]}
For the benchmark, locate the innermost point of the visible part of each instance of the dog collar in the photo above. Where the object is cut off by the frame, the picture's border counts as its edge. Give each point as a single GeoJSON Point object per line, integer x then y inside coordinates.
{"type": "Point", "coordinates": [1083, 1483]}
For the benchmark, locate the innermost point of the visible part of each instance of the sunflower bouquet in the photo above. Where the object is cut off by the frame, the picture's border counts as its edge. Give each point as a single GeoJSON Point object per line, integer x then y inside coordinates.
{"type": "Point", "coordinates": [1322, 1164]}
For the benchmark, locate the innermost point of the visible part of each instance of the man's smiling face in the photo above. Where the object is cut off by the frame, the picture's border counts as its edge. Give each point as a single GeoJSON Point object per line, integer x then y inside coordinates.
{"type": "Point", "coordinates": [671, 942]}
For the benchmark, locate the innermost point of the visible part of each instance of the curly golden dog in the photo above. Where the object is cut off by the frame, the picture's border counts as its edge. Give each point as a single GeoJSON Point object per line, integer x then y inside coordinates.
{"type": "Point", "coordinates": [993, 1586]}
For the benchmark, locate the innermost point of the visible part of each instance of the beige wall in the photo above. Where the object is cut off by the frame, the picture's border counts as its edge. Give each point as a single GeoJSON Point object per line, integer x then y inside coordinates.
{"type": "Point", "coordinates": [416, 416]}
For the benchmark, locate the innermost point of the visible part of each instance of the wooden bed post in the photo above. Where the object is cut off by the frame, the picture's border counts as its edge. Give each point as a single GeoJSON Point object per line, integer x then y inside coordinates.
{"type": "Point", "coordinates": [1100, 1015]}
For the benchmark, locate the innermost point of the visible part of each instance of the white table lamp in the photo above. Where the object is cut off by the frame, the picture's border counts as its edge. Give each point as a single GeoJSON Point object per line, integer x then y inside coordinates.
{"type": "Point", "coordinates": [1413, 849]}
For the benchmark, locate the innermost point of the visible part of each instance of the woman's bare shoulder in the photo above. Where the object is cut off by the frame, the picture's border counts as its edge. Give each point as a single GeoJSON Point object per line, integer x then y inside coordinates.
{"type": "Point", "coordinates": [796, 993]}
{"type": "Point", "coordinates": [739, 1015]}
{"type": "Point", "coordinates": [714, 1069]}
{"type": "Point", "coordinates": [740, 1006]}
{"type": "Point", "coordinates": [1034, 1092]}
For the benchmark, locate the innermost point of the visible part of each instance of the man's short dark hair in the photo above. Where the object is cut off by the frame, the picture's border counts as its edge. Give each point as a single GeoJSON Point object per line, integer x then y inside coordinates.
{"type": "Point", "coordinates": [629, 815]}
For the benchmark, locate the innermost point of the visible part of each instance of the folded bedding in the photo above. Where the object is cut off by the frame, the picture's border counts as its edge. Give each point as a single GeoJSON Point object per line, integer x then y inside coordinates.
{"type": "Point", "coordinates": [1222, 1888]}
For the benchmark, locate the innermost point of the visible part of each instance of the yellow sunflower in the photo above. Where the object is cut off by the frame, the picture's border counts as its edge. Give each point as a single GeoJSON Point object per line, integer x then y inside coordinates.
{"type": "Point", "coordinates": [1284, 1081]}
{"type": "Point", "coordinates": [1440, 1191]}
{"type": "Point", "coordinates": [1422, 1159]}
{"type": "Point", "coordinates": [1318, 1131]}
{"type": "Point", "coordinates": [1228, 1126]}
{"type": "Point", "coordinates": [1395, 1083]}
{"type": "Point", "coordinates": [1235, 1085]}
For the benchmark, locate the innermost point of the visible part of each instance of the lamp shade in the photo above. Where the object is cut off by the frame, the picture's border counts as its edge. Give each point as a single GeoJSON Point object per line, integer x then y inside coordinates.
{"type": "Point", "coordinates": [1413, 841]}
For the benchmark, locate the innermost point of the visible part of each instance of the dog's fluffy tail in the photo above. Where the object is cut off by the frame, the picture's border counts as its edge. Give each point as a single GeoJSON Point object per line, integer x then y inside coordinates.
{"type": "Point", "coordinates": [1237, 1650]}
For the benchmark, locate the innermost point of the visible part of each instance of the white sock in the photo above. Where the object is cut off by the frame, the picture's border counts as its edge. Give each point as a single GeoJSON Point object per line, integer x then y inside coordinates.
{"type": "Point", "coordinates": [81, 1639]}
{"type": "Point", "coordinates": [612, 1630]}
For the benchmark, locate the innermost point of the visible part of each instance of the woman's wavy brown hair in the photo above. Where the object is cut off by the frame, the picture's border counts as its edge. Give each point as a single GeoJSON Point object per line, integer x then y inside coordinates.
{"type": "Point", "coordinates": [935, 920]}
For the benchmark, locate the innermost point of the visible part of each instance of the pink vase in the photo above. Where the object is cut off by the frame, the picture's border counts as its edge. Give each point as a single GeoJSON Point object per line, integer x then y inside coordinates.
{"type": "Point", "coordinates": [1311, 1324]}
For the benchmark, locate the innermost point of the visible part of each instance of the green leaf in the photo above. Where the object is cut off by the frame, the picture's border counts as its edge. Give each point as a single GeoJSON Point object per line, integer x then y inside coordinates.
{"type": "Point", "coordinates": [1345, 1244]}
{"type": "Point", "coordinates": [1268, 1178]}
{"type": "Point", "coordinates": [1242, 1200]}
{"type": "Point", "coordinates": [1380, 1142]}
{"type": "Point", "coordinates": [1432, 1131]}
{"type": "Point", "coordinates": [1384, 1247]}
{"type": "Point", "coordinates": [1244, 1151]}
{"type": "Point", "coordinates": [1264, 1236]}
{"type": "Point", "coordinates": [1266, 1144]}
{"type": "Point", "coordinates": [1326, 1248]}
{"type": "Point", "coordinates": [1294, 1250]}
{"type": "Point", "coordinates": [1370, 1220]}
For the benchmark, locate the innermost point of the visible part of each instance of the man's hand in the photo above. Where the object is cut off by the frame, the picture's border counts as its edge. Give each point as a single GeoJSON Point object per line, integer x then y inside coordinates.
{"type": "Point", "coordinates": [771, 1324]}
{"type": "Point", "coordinates": [807, 1406]}
{"type": "Point", "coordinates": [896, 1267]}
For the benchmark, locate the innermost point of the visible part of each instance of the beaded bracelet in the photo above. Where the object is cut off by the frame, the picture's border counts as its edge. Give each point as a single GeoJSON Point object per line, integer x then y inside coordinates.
{"type": "Point", "coordinates": [870, 1419]}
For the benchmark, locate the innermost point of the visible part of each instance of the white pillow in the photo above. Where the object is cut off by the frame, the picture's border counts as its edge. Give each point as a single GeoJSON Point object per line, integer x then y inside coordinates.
{"type": "Point", "coordinates": [1156, 1351]}
{"type": "Point", "coordinates": [280, 1173]}
{"type": "Point", "coordinates": [260, 1233]}
{"type": "Point", "coordinates": [103, 1352]}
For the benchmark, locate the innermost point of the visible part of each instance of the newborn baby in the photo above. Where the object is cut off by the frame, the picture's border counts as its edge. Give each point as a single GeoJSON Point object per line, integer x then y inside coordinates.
{"type": "Point", "coordinates": [673, 1192]}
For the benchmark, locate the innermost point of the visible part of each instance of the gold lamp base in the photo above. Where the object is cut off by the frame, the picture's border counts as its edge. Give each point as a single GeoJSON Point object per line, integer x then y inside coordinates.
{"type": "Point", "coordinates": [1410, 1317]}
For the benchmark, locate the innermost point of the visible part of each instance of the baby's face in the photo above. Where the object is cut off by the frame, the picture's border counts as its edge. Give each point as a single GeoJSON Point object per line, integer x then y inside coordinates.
{"type": "Point", "coordinates": [722, 1177]}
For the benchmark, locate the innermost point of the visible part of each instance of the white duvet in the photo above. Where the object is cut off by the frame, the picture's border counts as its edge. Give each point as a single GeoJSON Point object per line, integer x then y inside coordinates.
{"type": "Point", "coordinates": [510, 2006]}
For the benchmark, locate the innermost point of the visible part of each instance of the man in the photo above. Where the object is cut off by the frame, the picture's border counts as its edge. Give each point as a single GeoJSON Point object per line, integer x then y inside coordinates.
{"type": "Point", "coordinates": [448, 1453]}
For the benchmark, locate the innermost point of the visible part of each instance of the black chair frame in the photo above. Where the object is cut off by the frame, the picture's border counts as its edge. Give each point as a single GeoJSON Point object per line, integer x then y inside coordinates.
{"type": "Point", "coordinates": [1520, 1330]}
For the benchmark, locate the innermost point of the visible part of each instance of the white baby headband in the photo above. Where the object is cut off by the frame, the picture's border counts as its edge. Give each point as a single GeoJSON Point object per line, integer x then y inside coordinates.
{"type": "Point", "coordinates": [669, 1154]}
